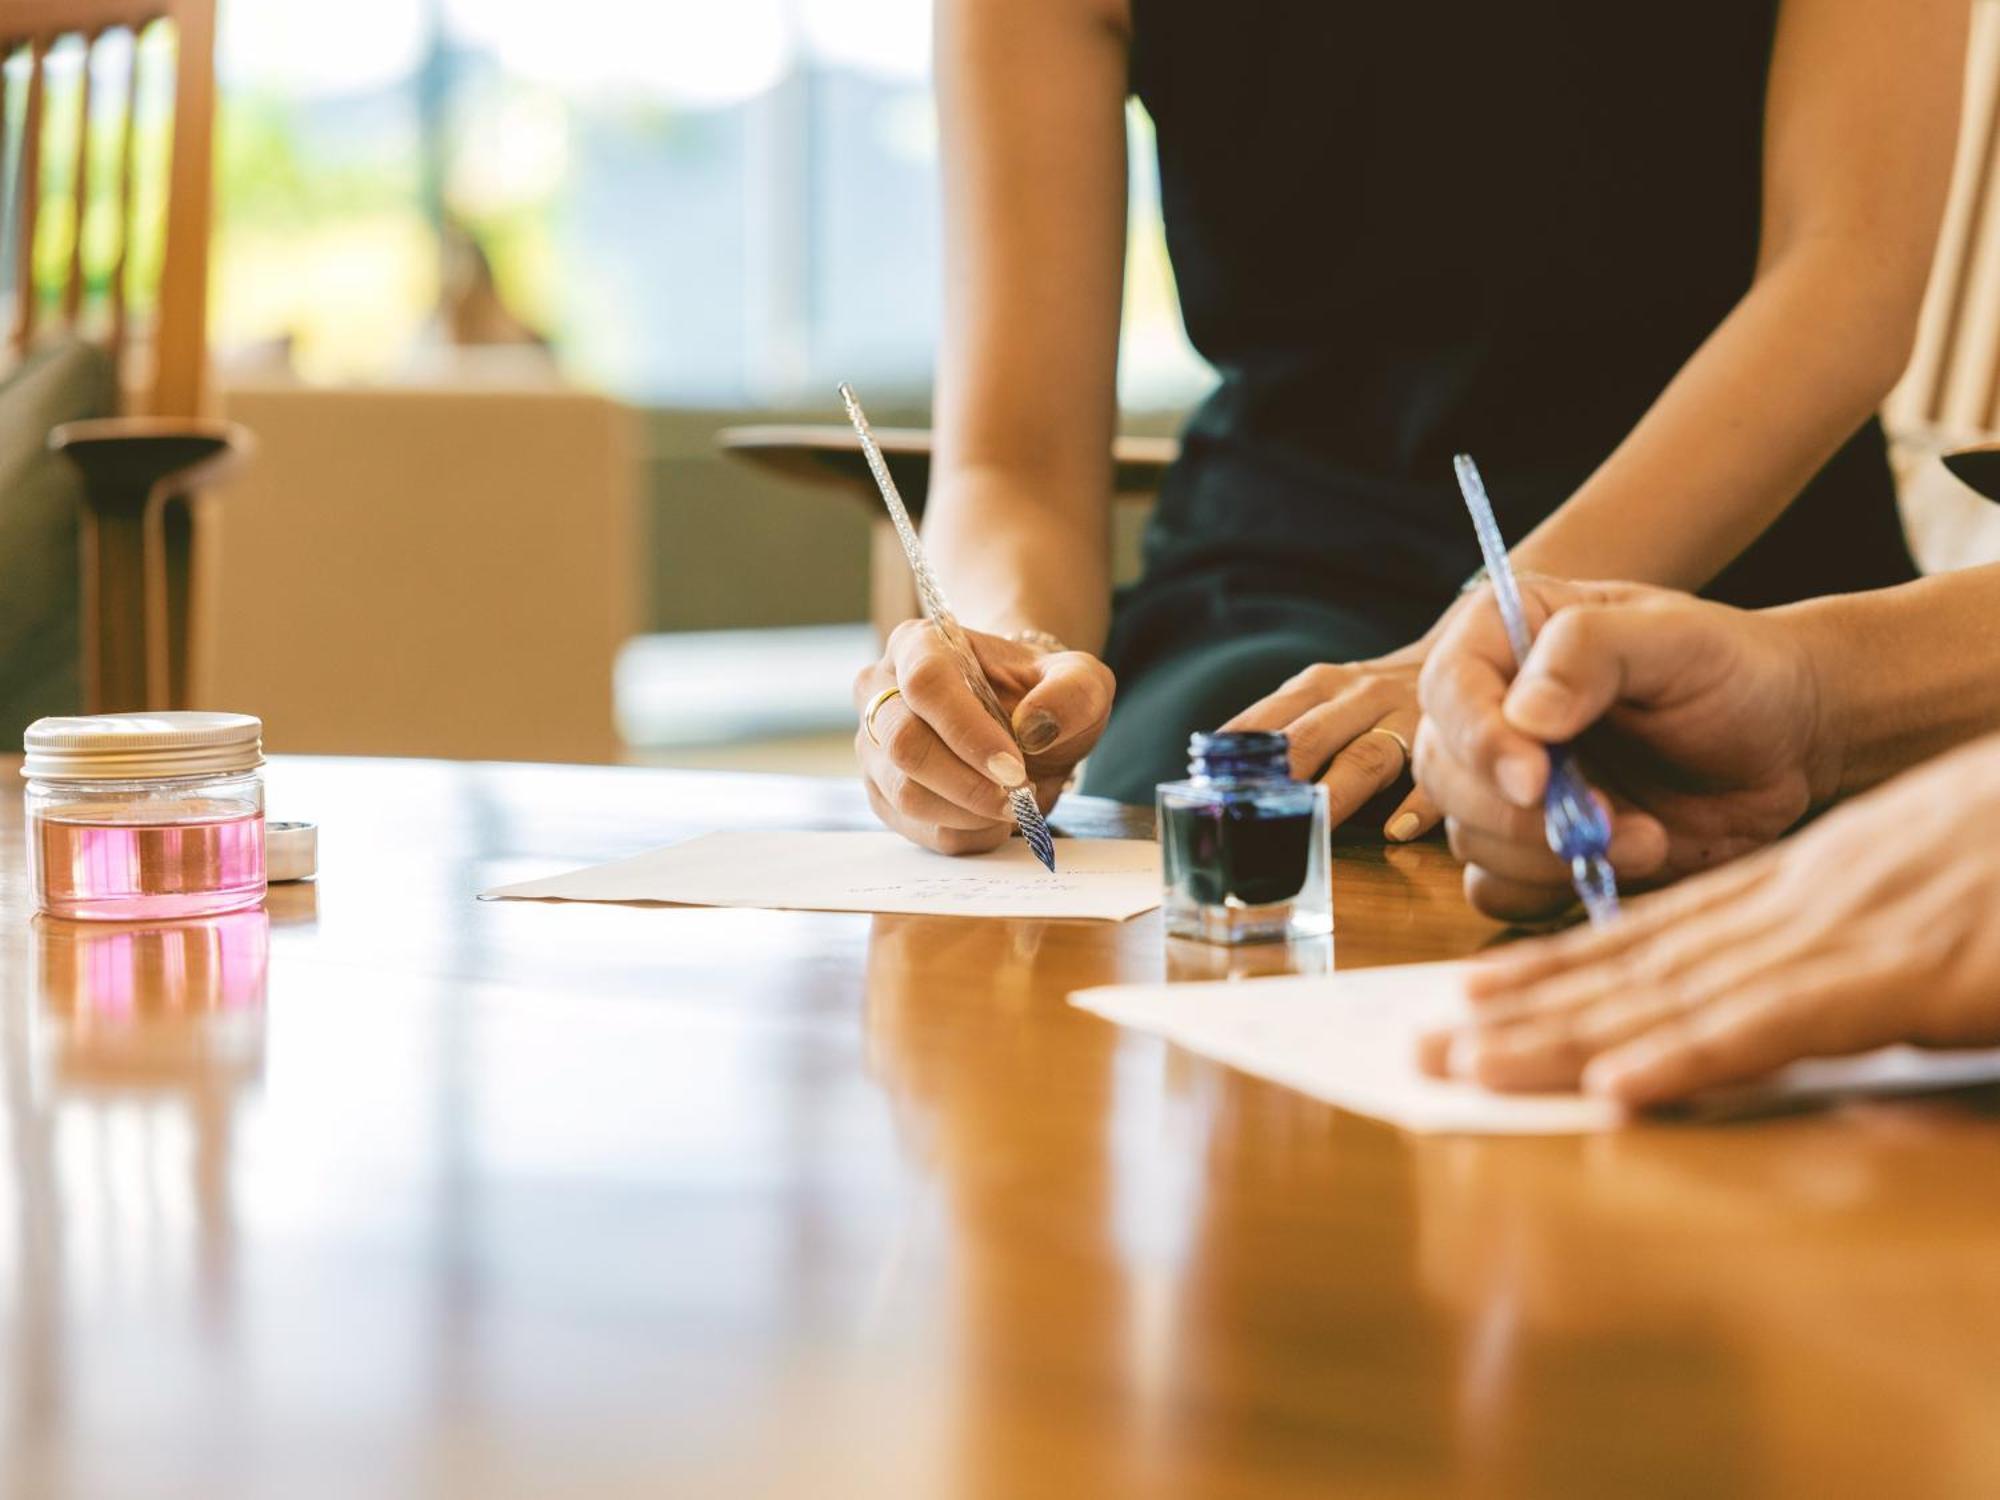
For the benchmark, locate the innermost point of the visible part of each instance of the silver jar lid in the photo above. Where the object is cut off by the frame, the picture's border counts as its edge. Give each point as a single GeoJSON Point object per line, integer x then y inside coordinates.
{"type": "Point", "coordinates": [291, 852]}
{"type": "Point", "coordinates": [141, 747]}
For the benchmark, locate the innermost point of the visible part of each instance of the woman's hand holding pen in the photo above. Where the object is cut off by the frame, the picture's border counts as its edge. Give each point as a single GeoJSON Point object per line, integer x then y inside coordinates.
{"type": "Point", "coordinates": [1873, 926]}
{"type": "Point", "coordinates": [1352, 726]}
{"type": "Point", "coordinates": [1703, 725]}
{"type": "Point", "coordinates": [937, 767]}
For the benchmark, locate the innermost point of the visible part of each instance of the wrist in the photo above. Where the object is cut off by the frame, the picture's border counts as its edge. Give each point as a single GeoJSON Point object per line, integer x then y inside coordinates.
{"type": "Point", "coordinates": [1824, 660]}
{"type": "Point", "coordinates": [1037, 640]}
{"type": "Point", "coordinates": [1408, 658]}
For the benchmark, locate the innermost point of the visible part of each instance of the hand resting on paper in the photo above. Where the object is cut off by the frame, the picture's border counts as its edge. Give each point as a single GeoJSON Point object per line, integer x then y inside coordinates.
{"type": "Point", "coordinates": [1874, 926]}
{"type": "Point", "coordinates": [1699, 723]}
{"type": "Point", "coordinates": [942, 768]}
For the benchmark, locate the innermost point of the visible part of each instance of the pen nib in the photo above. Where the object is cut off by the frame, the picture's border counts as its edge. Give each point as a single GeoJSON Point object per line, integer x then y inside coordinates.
{"type": "Point", "coordinates": [1034, 827]}
{"type": "Point", "coordinates": [1598, 887]}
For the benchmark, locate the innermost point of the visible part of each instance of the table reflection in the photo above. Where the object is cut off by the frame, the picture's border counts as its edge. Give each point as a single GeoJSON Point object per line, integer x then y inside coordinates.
{"type": "Point", "coordinates": [125, 1057]}
{"type": "Point", "coordinates": [1009, 1098]}
{"type": "Point", "coordinates": [1190, 962]}
{"type": "Point", "coordinates": [1125, 1220]}
{"type": "Point", "coordinates": [1572, 1302]}
{"type": "Point", "coordinates": [177, 1006]}
{"type": "Point", "coordinates": [121, 1095]}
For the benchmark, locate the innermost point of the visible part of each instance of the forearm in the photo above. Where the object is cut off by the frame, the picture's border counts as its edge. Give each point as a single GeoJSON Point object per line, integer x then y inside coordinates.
{"type": "Point", "coordinates": [1799, 363]}
{"type": "Point", "coordinates": [1015, 553]}
{"type": "Point", "coordinates": [1901, 674]}
{"type": "Point", "coordinates": [1861, 114]}
{"type": "Point", "coordinates": [1031, 114]}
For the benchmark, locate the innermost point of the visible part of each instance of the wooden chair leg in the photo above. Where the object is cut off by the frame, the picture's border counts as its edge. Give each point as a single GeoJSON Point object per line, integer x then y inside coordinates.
{"type": "Point", "coordinates": [138, 560]}
{"type": "Point", "coordinates": [141, 610]}
{"type": "Point", "coordinates": [170, 668]}
{"type": "Point", "coordinates": [115, 645]}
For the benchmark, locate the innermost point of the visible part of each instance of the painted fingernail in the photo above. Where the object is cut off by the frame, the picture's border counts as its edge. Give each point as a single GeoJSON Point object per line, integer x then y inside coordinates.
{"type": "Point", "coordinates": [1520, 779]}
{"type": "Point", "coordinates": [1403, 827]}
{"type": "Point", "coordinates": [1037, 732]}
{"type": "Point", "coordinates": [1007, 770]}
{"type": "Point", "coordinates": [1538, 705]}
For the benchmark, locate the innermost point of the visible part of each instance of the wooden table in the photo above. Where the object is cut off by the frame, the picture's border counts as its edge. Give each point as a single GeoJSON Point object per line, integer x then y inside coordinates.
{"type": "Point", "coordinates": [401, 1193]}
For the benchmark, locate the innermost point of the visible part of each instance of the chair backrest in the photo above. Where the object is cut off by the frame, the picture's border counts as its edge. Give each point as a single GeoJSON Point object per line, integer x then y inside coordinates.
{"type": "Point", "coordinates": [1951, 392]}
{"type": "Point", "coordinates": [105, 206]}
{"type": "Point", "coordinates": [65, 272]}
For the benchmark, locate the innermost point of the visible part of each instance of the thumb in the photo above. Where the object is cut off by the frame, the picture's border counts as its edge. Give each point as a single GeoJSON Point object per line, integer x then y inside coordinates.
{"type": "Point", "coordinates": [1588, 658]}
{"type": "Point", "coordinates": [1066, 708]}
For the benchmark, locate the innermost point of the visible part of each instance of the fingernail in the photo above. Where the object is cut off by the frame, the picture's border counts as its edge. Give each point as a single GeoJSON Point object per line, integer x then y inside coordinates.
{"type": "Point", "coordinates": [1614, 1080]}
{"type": "Point", "coordinates": [1538, 705]}
{"type": "Point", "coordinates": [1520, 779]}
{"type": "Point", "coordinates": [1432, 1047]}
{"type": "Point", "coordinates": [1037, 732]}
{"type": "Point", "coordinates": [1403, 827]}
{"type": "Point", "coordinates": [1007, 770]}
{"type": "Point", "coordinates": [1462, 1055]}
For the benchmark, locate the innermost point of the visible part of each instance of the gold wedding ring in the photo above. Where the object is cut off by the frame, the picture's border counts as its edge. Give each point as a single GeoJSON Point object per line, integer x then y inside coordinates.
{"type": "Point", "coordinates": [1401, 743]}
{"type": "Point", "coordinates": [874, 706]}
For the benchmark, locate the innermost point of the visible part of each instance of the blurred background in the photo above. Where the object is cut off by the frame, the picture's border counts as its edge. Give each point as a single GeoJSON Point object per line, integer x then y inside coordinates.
{"type": "Point", "coordinates": [711, 214]}
{"type": "Point", "coordinates": [447, 227]}
{"type": "Point", "coordinates": [496, 288]}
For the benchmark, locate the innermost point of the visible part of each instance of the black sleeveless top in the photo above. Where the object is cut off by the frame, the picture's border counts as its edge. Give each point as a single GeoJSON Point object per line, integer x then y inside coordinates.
{"type": "Point", "coordinates": [1407, 228]}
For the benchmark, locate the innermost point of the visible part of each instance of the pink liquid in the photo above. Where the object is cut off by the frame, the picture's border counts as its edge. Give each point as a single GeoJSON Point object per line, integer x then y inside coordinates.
{"type": "Point", "coordinates": [128, 872]}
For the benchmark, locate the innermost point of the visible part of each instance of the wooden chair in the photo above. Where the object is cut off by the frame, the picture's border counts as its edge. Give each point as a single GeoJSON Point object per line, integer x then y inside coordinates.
{"type": "Point", "coordinates": [831, 455]}
{"type": "Point", "coordinates": [146, 531]}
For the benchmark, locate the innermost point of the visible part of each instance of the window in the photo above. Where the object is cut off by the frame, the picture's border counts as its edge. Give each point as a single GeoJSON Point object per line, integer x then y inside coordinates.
{"type": "Point", "coordinates": [701, 204]}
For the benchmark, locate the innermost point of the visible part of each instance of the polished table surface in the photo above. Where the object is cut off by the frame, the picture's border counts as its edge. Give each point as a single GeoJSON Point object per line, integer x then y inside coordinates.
{"type": "Point", "coordinates": [389, 1191]}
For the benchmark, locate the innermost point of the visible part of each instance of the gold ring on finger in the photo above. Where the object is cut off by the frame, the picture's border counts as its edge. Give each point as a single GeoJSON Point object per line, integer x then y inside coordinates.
{"type": "Point", "coordinates": [874, 706]}
{"type": "Point", "coordinates": [1401, 743]}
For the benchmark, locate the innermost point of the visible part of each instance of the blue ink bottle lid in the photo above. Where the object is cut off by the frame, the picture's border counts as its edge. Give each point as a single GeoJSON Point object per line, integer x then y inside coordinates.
{"type": "Point", "coordinates": [1240, 755]}
{"type": "Point", "coordinates": [1244, 844]}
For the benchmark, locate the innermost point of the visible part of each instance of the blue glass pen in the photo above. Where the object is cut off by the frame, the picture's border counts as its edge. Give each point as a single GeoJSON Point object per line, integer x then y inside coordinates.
{"type": "Point", "coordinates": [1577, 828]}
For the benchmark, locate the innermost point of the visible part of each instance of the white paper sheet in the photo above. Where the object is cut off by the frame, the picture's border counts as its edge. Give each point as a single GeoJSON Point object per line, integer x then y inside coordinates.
{"type": "Point", "coordinates": [1107, 879]}
{"type": "Point", "coordinates": [1350, 1040]}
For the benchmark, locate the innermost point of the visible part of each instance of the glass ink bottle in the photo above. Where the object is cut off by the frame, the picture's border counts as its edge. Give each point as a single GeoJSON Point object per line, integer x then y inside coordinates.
{"type": "Point", "coordinates": [1244, 845]}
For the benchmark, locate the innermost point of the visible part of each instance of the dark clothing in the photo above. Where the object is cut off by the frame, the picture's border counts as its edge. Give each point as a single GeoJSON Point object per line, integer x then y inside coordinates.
{"type": "Point", "coordinates": [1411, 229]}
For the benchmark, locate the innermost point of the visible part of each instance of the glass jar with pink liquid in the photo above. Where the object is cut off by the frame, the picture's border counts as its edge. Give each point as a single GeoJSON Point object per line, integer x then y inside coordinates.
{"type": "Point", "coordinates": [143, 817]}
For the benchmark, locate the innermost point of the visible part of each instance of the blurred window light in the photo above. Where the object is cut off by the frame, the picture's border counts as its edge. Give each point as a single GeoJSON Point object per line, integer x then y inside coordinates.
{"type": "Point", "coordinates": [69, 139]}
{"type": "Point", "coordinates": [700, 202]}
{"type": "Point", "coordinates": [889, 38]}
{"type": "Point", "coordinates": [523, 154]}
{"type": "Point", "coordinates": [308, 49]}
{"type": "Point", "coordinates": [699, 54]}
